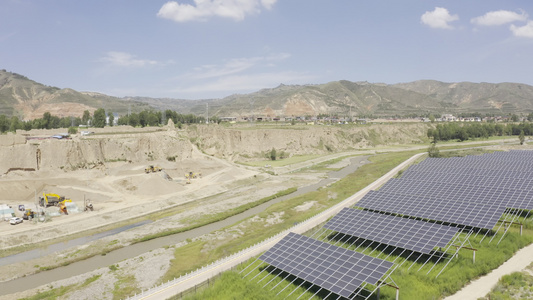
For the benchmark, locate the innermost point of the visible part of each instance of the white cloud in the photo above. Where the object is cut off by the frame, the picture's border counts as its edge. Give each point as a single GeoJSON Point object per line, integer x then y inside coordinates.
{"type": "Point", "coordinates": [123, 59]}
{"type": "Point", "coordinates": [203, 9]}
{"type": "Point", "coordinates": [268, 3]}
{"type": "Point", "coordinates": [523, 31]}
{"type": "Point", "coordinates": [235, 65]}
{"type": "Point", "coordinates": [438, 18]}
{"type": "Point", "coordinates": [499, 17]}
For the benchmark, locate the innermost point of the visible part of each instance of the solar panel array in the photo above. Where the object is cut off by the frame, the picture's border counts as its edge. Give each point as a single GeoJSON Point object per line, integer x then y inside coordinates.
{"type": "Point", "coordinates": [400, 232]}
{"type": "Point", "coordinates": [487, 180]}
{"type": "Point", "coordinates": [472, 191]}
{"type": "Point", "coordinates": [333, 268]}
{"type": "Point", "coordinates": [456, 211]}
{"type": "Point", "coordinates": [490, 195]}
{"type": "Point", "coordinates": [467, 171]}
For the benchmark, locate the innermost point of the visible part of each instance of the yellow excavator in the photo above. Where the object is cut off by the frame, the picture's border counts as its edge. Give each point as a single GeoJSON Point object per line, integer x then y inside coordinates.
{"type": "Point", "coordinates": [29, 214]}
{"type": "Point", "coordinates": [152, 169]}
{"type": "Point", "coordinates": [52, 200]}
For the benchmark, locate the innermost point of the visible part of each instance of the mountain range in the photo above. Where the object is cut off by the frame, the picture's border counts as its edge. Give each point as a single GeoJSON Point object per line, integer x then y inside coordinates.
{"type": "Point", "coordinates": [28, 99]}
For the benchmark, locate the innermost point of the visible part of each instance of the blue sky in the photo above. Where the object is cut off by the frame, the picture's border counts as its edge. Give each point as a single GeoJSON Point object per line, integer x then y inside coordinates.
{"type": "Point", "coordinates": [214, 48]}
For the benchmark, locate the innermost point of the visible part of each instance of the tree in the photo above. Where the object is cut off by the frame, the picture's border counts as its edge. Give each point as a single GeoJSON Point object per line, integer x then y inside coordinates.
{"type": "Point", "coordinates": [431, 118]}
{"type": "Point", "coordinates": [273, 154]}
{"type": "Point", "coordinates": [4, 124]}
{"type": "Point", "coordinates": [433, 151]}
{"type": "Point", "coordinates": [133, 120]}
{"type": "Point", "coordinates": [111, 118]}
{"type": "Point", "coordinates": [99, 118]}
{"type": "Point", "coordinates": [47, 121]}
{"type": "Point", "coordinates": [86, 117]}
{"type": "Point", "coordinates": [15, 124]}
{"type": "Point", "coordinates": [521, 137]}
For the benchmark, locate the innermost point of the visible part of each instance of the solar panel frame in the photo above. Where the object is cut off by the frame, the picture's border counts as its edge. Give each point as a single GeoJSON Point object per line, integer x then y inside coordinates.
{"type": "Point", "coordinates": [410, 234]}
{"type": "Point", "coordinates": [333, 268]}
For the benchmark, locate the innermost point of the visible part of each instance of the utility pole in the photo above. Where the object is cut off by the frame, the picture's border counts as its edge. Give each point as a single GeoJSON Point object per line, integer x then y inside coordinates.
{"type": "Point", "coordinates": [207, 112]}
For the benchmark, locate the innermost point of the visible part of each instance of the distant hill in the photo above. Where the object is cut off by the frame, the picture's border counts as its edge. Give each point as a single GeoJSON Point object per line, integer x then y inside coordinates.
{"type": "Point", "coordinates": [24, 97]}
{"type": "Point", "coordinates": [363, 98]}
{"type": "Point", "coordinates": [28, 99]}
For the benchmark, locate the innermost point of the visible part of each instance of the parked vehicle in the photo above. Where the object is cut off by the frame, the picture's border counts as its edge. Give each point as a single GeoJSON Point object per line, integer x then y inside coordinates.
{"type": "Point", "coordinates": [15, 220]}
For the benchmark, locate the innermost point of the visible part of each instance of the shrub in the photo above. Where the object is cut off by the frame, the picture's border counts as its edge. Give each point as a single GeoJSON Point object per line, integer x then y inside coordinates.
{"type": "Point", "coordinates": [273, 154]}
{"type": "Point", "coordinates": [72, 130]}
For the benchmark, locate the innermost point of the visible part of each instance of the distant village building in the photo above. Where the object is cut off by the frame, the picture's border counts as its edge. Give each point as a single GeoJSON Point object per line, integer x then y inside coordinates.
{"type": "Point", "coordinates": [448, 118]}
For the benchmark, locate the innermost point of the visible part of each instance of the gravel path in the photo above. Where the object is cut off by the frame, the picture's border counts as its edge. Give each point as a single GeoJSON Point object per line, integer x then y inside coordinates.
{"type": "Point", "coordinates": [482, 286]}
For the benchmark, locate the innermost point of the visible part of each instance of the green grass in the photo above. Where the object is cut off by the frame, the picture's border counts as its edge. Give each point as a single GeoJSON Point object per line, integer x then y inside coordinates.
{"type": "Point", "coordinates": [413, 283]}
{"type": "Point", "coordinates": [125, 132]}
{"type": "Point", "coordinates": [324, 166]}
{"type": "Point", "coordinates": [58, 293]}
{"type": "Point", "coordinates": [465, 152]}
{"type": "Point", "coordinates": [517, 285]}
{"type": "Point", "coordinates": [126, 285]}
{"type": "Point", "coordinates": [281, 162]}
{"type": "Point", "coordinates": [231, 286]}
{"type": "Point", "coordinates": [208, 219]}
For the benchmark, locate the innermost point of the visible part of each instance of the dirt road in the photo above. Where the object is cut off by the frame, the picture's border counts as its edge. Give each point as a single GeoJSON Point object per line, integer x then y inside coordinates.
{"type": "Point", "coordinates": [482, 286]}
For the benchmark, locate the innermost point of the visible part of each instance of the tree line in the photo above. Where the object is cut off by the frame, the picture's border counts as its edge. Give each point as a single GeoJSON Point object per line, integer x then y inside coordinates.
{"type": "Point", "coordinates": [98, 119]}
{"type": "Point", "coordinates": [463, 132]}
{"type": "Point", "coordinates": [154, 118]}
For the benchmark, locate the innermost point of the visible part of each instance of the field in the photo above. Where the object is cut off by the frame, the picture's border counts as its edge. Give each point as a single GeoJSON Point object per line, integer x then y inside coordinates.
{"type": "Point", "coordinates": [111, 174]}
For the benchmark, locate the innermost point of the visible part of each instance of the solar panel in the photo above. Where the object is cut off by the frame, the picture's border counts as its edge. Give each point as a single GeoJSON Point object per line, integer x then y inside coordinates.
{"type": "Point", "coordinates": [510, 198]}
{"type": "Point", "coordinates": [333, 268]}
{"type": "Point", "coordinates": [410, 234]}
{"type": "Point", "coordinates": [452, 210]}
{"type": "Point", "coordinates": [485, 162]}
{"type": "Point", "coordinates": [497, 180]}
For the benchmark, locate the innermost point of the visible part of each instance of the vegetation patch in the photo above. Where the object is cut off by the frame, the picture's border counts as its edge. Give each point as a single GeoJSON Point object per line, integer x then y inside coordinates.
{"type": "Point", "coordinates": [208, 219]}
{"type": "Point", "coordinates": [282, 162]}
{"type": "Point", "coordinates": [58, 293]}
{"type": "Point", "coordinates": [412, 277]}
{"type": "Point", "coordinates": [517, 285]}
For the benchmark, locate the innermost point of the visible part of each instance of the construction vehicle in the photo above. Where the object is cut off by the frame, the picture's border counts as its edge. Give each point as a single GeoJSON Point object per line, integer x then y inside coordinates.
{"type": "Point", "coordinates": [63, 206]}
{"type": "Point", "coordinates": [89, 206]}
{"type": "Point", "coordinates": [152, 169]}
{"type": "Point", "coordinates": [52, 200]}
{"type": "Point", "coordinates": [29, 214]}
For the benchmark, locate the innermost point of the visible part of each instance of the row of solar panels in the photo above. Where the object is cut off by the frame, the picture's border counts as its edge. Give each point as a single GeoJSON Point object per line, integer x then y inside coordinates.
{"type": "Point", "coordinates": [465, 203]}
